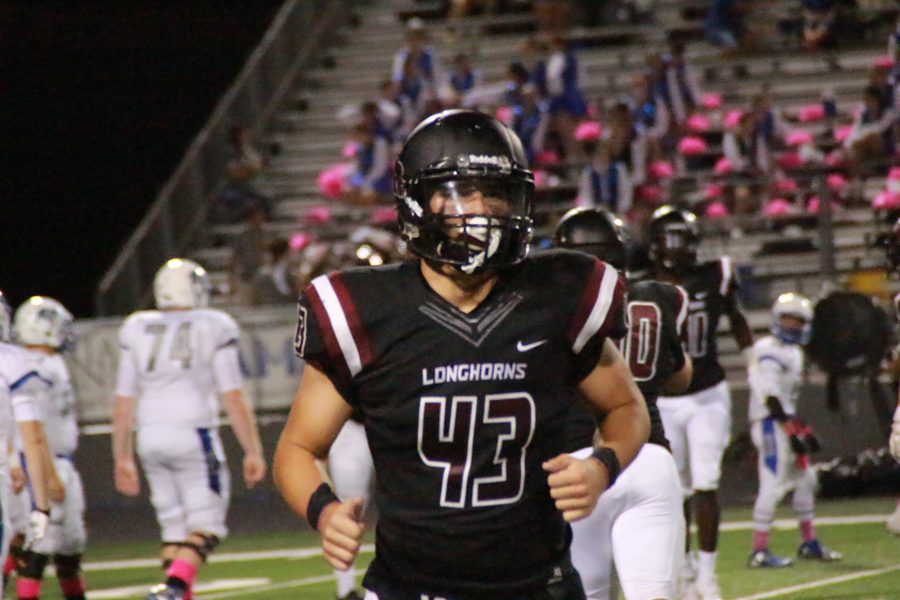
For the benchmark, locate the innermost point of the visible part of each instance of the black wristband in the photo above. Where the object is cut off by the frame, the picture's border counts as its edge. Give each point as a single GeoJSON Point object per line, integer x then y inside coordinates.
{"type": "Point", "coordinates": [322, 497]}
{"type": "Point", "coordinates": [607, 457]}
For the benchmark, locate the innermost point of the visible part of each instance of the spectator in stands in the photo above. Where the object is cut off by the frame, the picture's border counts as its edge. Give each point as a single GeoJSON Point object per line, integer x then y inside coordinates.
{"type": "Point", "coordinates": [276, 282]}
{"type": "Point", "coordinates": [818, 23]}
{"type": "Point", "coordinates": [370, 182]}
{"type": "Point", "coordinates": [872, 134]}
{"type": "Point", "coordinates": [247, 255]}
{"type": "Point", "coordinates": [627, 143]}
{"type": "Point", "coordinates": [648, 110]}
{"type": "Point", "coordinates": [462, 79]}
{"type": "Point", "coordinates": [396, 112]}
{"type": "Point", "coordinates": [682, 84]}
{"type": "Point", "coordinates": [769, 124]}
{"type": "Point", "coordinates": [566, 103]}
{"type": "Point", "coordinates": [746, 149]}
{"type": "Point", "coordinates": [725, 23]}
{"type": "Point", "coordinates": [415, 65]}
{"type": "Point", "coordinates": [243, 176]}
{"type": "Point", "coordinates": [530, 121]}
{"type": "Point", "coordinates": [603, 181]}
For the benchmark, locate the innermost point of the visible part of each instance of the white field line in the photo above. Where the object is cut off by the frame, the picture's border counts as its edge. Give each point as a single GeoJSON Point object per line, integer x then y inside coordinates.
{"type": "Point", "coordinates": [820, 583]}
{"type": "Point", "coordinates": [225, 557]}
{"type": "Point", "coordinates": [284, 585]}
{"type": "Point", "coordinates": [301, 553]}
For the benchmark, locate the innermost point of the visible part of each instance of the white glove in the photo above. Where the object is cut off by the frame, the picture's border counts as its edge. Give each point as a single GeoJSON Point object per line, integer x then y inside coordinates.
{"type": "Point", "coordinates": [37, 525]}
{"type": "Point", "coordinates": [895, 435]}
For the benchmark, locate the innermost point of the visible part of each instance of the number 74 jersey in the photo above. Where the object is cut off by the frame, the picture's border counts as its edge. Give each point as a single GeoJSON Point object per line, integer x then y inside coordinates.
{"type": "Point", "coordinates": [461, 409]}
{"type": "Point", "coordinates": [176, 363]}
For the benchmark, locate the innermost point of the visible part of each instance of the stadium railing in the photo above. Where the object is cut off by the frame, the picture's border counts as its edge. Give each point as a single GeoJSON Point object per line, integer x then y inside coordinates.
{"type": "Point", "coordinates": [181, 206]}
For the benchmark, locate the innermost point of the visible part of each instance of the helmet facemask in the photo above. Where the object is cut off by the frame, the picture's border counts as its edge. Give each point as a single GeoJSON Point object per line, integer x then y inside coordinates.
{"type": "Point", "coordinates": [473, 223]}
{"type": "Point", "coordinates": [675, 248]}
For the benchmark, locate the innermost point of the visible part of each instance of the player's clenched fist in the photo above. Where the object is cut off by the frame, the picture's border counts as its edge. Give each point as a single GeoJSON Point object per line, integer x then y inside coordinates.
{"type": "Point", "coordinates": [341, 528]}
{"type": "Point", "coordinates": [575, 484]}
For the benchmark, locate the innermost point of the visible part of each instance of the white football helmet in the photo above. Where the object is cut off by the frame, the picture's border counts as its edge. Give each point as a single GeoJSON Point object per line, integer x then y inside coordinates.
{"type": "Point", "coordinates": [181, 283]}
{"type": "Point", "coordinates": [43, 321]}
{"type": "Point", "coordinates": [5, 319]}
{"type": "Point", "coordinates": [797, 306]}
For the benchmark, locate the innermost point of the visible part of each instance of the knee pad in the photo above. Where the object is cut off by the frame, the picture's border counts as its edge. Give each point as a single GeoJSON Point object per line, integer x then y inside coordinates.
{"type": "Point", "coordinates": [68, 566]}
{"type": "Point", "coordinates": [202, 543]}
{"type": "Point", "coordinates": [33, 565]}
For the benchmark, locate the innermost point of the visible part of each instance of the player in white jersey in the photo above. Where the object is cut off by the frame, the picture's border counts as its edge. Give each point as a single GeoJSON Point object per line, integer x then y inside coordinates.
{"type": "Point", "coordinates": [781, 439]}
{"type": "Point", "coordinates": [44, 327]}
{"type": "Point", "coordinates": [174, 362]}
{"type": "Point", "coordinates": [892, 247]}
{"type": "Point", "coordinates": [18, 380]}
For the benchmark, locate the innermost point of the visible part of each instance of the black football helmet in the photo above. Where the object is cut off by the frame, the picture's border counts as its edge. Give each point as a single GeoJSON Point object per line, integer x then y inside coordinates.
{"type": "Point", "coordinates": [892, 247]}
{"type": "Point", "coordinates": [464, 192]}
{"type": "Point", "coordinates": [595, 231]}
{"type": "Point", "coordinates": [674, 235]}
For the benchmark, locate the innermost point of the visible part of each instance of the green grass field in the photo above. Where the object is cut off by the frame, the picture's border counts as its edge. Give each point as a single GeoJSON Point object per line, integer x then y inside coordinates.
{"type": "Point", "coordinates": [293, 568]}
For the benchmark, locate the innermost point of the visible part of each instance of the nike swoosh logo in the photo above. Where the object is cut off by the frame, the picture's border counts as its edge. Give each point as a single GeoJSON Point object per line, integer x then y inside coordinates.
{"type": "Point", "coordinates": [526, 347]}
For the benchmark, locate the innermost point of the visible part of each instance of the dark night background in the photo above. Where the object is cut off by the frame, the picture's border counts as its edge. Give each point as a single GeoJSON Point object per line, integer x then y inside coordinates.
{"type": "Point", "coordinates": [98, 102]}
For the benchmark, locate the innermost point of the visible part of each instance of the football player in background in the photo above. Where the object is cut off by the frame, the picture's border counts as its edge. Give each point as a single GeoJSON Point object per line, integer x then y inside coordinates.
{"type": "Point", "coordinates": [783, 442]}
{"type": "Point", "coordinates": [638, 523]}
{"type": "Point", "coordinates": [174, 362]}
{"type": "Point", "coordinates": [698, 422]}
{"type": "Point", "coordinates": [18, 383]}
{"type": "Point", "coordinates": [462, 362]}
{"type": "Point", "coordinates": [893, 264]}
{"type": "Point", "coordinates": [44, 326]}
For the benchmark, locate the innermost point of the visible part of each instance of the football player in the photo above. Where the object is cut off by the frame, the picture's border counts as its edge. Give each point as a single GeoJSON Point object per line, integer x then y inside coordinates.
{"type": "Point", "coordinates": [44, 326]}
{"type": "Point", "coordinates": [462, 362]}
{"type": "Point", "coordinates": [173, 363]}
{"type": "Point", "coordinates": [18, 383]}
{"type": "Point", "coordinates": [893, 264]}
{"type": "Point", "coordinates": [638, 523]}
{"type": "Point", "coordinates": [783, 442]}
{"type": "Point", "coordinates": [698, 422]}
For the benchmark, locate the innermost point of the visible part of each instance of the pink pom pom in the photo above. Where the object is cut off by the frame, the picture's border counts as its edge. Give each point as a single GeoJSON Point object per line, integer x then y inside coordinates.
{"type": "Point", "coordinates": [691, 146]}
{"type": "Point", "coordinates": [349, 150]}
{"type": "Point", "coordinates": [540, 177]}
{"type": "Point", "coordinates": [588, 131]}
{"type": "Point", "coordinates": [884, 62]}
{"type": "Point", "coordinates": [776, 207]}
{"type": "Point", "coordinates": [332, 179]}
{"type": "Point", "coordinates": [789, 160]}
{"type": "Point", "coordinates": [894, 174]}
{"type": "Point", "coordinates": [384, 215]}
{"type": "Point", "coordinates": [836, 182]}
{"type": "Point", "coordinates": [698, 123]}
{"type": "Point", "coordinates": [299, 240]}
{"type": "Point", "coordinates": [812, 206]}
{"type": "Point", "coordinates": [798, 137]}
{"type": "Point", "coordinates": [318, 214]}
{"type": "Point", "coordinates": [713, 190]}
{"type": "Point", "coordinates": [733, 118]}
{"type": "Point", "coordinates": [786, 186]}
{"type": "Point", "coordinates": [811, 112]}
{"type": "Point", "coordinates": [841, 133]}
{"type": "Point", "coordinates": [835, 158]}
{"type": "Point", "coordinates": [547, 157]}
{"type": "Point", "coordinates": [650, 193]}
{"type": "Point", "coordinates": [722, 167]}
{"type": "Point", "coordinates": [711, 100]}
{"type": "Point", "coordinates": [662, 169]}
{"type": "Point", "coordinates": [504, 114]}
{"type": "Point", "coordinates": [716, 210]}
{"type": "Point", "coordinates": [886, 201]}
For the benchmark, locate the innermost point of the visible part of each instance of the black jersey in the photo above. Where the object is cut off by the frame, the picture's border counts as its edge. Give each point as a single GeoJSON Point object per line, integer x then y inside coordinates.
{"type": "Point", "coordinates": [710, 287]}
{"type": "Point", "coordinates": [461, 409]}
{"type": "Point", "coordinates": [655, 314]}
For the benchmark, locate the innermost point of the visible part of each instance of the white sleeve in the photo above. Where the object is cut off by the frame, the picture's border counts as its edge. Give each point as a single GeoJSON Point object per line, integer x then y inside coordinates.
{"type": "Point", "coordinates": [768, 375]}
{"type": "Point", "coordinates": [225, 364]}
{"type": "Point", "coordinates": [732, 153]}
{"type": "Point", "coordinates": [24, 408]}
{"type": "Point", "coordinates": [127, 375]}
{"type": "Point", "coordinates": [380, 162]}
{"type": "Point", "coordinates": [585, 195]}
